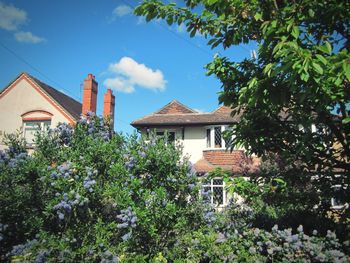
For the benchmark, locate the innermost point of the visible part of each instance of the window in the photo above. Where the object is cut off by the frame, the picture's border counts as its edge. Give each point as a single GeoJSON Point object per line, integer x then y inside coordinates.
{"type": "Point", "coordinates": [214, 138]}
{"type": "Point", "coordinates": [337, 190]}
{"type": "Point", "coordinates": [208, 138]}
{"type": "Point", "coordinates": [216, 187]}
{"type": "Point", "coordinates": [335, 200]}
{"type": "Point", "coordinates": [30, 128]}
{"type": "Point", "coordinates": [336, 203]}
{"type": "Point", "coordinates": [170, 135]}
{"type": "Point", "coordinates": [217, 137]}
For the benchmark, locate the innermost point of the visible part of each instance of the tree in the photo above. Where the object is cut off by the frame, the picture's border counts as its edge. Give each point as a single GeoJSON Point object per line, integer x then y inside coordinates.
{"type": "Point", "coordinates": [300, 77]}
{"type": "Point", "coordinates": [294, 98]}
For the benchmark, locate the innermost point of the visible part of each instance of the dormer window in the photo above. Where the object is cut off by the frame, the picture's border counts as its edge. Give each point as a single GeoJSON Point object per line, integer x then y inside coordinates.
{"type": "Point", "coordinates": [214, 137]}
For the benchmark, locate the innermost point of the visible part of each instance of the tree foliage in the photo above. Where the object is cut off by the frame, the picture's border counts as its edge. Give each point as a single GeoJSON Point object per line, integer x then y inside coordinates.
{"type": "Point", "coordinates": [90, 195]}
{"type": "Point", "coordinates": [293, 99]}
{"type": "Point", "coordinates": [87, 194]}
{"type": "Point", "coordinates": [300, 76]}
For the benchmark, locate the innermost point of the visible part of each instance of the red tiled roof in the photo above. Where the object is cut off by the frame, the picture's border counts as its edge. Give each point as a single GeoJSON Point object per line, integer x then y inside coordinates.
{"type": "Point", "coordinates": [175, 107]}
{"type": "Point", "coordinates": [235, 162]}
{"type": "Point", "coordinates": [223, 109]}
{"type": "Point", "coordinates": [203, 166]}
{"type": "Point", "coordinates": [176, 114]}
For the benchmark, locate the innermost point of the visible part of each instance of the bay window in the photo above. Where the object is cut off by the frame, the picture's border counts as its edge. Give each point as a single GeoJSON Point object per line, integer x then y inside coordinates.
{"type": "Point", "coordinates": [217, 189]}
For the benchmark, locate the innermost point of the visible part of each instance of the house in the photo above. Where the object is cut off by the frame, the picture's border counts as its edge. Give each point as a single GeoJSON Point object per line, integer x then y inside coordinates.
{"type": "Point", "coordinates": [31, 105]}
{"type": "Point", "coordinates": [201, 136]}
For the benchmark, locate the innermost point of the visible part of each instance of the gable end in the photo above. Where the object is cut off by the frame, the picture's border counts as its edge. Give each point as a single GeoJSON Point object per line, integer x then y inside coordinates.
{"type": "Point", "coordinates": [175, 107]}
{"type": "Point", "coordinates": [33, 84]}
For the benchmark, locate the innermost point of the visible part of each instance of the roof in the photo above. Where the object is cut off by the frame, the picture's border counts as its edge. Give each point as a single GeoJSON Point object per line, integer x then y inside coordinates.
{"type": "Point", "coordinates": [177, 114]}
{"type": "Point", "coordinates": [69, 104]}
{"type": "Point", "coordinates": [175, 107]}
{"type": "Point", "coordinates": [204, 166]}
{"type": "Point", "coordinates": [244, 166]}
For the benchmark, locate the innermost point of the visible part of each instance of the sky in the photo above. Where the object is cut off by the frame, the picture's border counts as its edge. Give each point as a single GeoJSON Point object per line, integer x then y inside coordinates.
{"type": "Point", "coordinates": [147, 65]}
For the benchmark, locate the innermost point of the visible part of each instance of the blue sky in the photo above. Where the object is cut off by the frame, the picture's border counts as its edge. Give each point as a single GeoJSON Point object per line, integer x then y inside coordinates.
{"type": "Point", "coordinates": [146, 64]}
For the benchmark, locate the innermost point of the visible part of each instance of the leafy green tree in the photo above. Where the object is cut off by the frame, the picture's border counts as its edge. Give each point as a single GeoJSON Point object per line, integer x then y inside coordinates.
{"type": "Point", "coordinates": [294, 97]}
{"type": "Point", "coordinates": [300, 76]}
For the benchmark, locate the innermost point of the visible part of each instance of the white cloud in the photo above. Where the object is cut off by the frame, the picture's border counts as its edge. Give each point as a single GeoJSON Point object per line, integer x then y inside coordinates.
{"type": "Point", "coordinates": [28, 37]}
{"type": "Point", "coordinates": [122, 10]}
{"type": "Point", "coordinates": [11, 17]}
{"type": "Point", "coordinates": [129, 73]}
{"type": "Point", "coordinates": [119, 84]}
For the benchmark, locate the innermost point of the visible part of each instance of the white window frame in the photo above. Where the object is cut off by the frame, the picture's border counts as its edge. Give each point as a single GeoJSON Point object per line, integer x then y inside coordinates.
{"type": "Point", "coordinates": [211, 185]}
{"type": "Point", "coordinates": [41, 125]}
{"type": "Point", "coordinates": [212, 137]}
{"type": "Point", "coordinates": [313, 129]}
{"type": "Point", "coordinates": [333, 206]}
{"type": "Point", "coordinates": [333, 200]}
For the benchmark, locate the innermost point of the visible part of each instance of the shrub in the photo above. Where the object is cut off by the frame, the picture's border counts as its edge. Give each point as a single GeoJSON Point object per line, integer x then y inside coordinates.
{"type": "Point", "coordinates": [90, 195]}
{"type": "Point", "coordinates": [85, 181]}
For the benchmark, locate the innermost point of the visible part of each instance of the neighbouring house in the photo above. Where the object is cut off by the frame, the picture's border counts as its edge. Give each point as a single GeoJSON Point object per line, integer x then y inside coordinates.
{"type": "Point", "coordinates": [201, 136]}
{"type": "Point", "coordinates": [31, 105]}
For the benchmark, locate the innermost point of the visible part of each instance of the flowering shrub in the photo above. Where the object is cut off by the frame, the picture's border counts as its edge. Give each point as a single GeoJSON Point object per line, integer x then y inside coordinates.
{"type": "Point", "coordinates": [90, 195]}
{"type": "Point", "coordinates": [256, 245]}
{"type": "Point", "coordinates": [288, 196]}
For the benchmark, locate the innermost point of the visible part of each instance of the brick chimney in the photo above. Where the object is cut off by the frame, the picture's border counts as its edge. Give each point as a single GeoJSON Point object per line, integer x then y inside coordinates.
{"type": "Point", "coordinates": [90, 94]}
{"type": "Point", "coordinates": [109, 102]}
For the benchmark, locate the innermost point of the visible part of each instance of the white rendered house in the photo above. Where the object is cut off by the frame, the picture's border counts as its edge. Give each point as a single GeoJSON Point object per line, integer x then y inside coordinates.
{"type": "Point", "coordinates": [201, 135]}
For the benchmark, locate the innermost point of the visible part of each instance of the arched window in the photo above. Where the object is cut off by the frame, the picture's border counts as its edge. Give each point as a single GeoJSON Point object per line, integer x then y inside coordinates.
{"type": "Point", "coordinates": [34, 122]}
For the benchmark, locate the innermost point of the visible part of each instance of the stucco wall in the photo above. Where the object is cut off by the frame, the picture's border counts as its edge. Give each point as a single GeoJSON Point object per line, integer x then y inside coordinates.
{"type": "Point", "coordinates": [195, 142]}
{"type": "Point", "coordinates": [21, 99]}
